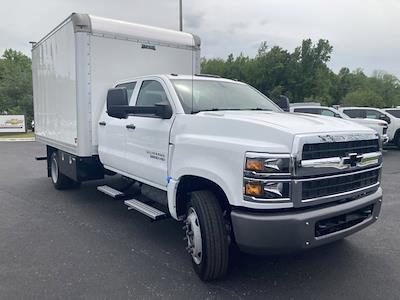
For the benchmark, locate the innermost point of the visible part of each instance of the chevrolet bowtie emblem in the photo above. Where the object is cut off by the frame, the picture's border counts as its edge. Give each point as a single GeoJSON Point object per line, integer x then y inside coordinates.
{"type": "Point", "coordinates": [352, 159]}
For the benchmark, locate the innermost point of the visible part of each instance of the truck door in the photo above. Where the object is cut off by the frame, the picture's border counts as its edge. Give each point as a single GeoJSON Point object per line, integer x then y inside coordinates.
{"type": "Point", "coordinates": [112, 136]}
{"type": "Point", "coordinates": [147, 139]}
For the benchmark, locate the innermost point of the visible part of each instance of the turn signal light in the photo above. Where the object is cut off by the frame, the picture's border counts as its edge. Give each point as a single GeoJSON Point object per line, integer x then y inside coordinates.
{"type": "Point", "coordinates": [253, 189]}
{"type": "Point", "coordinates": [254, 164]}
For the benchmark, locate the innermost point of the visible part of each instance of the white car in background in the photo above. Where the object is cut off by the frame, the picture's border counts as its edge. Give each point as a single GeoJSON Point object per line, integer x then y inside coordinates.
{"type": "Point", "coordinates": [377, 114]}
{"type": "Point", "coordinates": [395, 112]}
{"type": "Point", "coordinates": [379, 126]}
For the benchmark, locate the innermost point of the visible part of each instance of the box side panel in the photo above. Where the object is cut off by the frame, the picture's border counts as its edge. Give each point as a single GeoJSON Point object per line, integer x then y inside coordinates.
{"type": "Point", "coordinates": [115, 59]}
{"type": "Point", "coordinates": [83, 95]}
{"type": "Point", "coordinates": [54, 89]}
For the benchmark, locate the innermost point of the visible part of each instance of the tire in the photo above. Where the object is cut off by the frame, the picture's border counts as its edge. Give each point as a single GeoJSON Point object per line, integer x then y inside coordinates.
{"type": "Point", "coordinates": [205, 215]}
{"type": "Point", "coordinates": [60, 181]}
{"type": "Point", "coordinates": [397, 140]}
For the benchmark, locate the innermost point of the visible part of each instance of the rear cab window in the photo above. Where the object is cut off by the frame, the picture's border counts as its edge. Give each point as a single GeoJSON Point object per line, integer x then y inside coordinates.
{"type": "Point", "coordinates": [355, 113]}
{"type": "Point", "coordinates": [307, 110]}
{"type": "Point", "coordinates": [394, 112]}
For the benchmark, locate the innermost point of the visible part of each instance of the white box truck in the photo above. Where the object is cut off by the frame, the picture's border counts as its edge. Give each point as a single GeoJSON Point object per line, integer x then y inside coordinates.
{"type": "Point", "coordinates": [114, 97]}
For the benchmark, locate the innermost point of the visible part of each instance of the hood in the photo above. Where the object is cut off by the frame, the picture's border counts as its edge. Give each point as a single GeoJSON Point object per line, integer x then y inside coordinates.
{"type": "Point", "coordinates": [293, 123]}
{"type": "Point", "coordinates": [370, 121]}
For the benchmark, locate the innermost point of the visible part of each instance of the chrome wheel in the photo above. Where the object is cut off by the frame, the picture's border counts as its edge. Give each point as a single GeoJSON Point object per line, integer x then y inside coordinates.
{"type": "Point", "coordinates": [54, 169]}
{"type": "Point", "coordinates": [193, 236]}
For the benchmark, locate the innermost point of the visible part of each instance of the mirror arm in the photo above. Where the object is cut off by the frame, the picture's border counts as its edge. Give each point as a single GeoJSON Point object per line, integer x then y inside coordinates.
{"type": "Point", "coordinates": [135, 109]}
{"type": "Point", "coordinates": [158, 110]}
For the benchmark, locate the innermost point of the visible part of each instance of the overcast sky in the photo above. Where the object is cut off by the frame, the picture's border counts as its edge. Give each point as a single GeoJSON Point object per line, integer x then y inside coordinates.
{"type": "Point", "coordinates": [364, 33]}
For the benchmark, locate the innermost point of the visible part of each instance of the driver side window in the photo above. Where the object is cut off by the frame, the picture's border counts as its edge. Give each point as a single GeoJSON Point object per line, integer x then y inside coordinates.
{"type": "Point", "coordinates": [327, 112]}
{"type": "Point", "coordinates": [151, 93]}
{"type": "Point", "coordinates": [373, 114]}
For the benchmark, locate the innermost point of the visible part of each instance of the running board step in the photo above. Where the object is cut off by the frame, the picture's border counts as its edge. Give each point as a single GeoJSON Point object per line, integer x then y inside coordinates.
{"type": "Point", "coordinates": [111, 191]}
{"type": "Point", "coordinates": [145, 209]}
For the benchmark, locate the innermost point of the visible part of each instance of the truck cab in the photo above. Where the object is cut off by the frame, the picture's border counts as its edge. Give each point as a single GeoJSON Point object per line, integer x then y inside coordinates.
{"type": "Point", "coordinates": [267, 171]}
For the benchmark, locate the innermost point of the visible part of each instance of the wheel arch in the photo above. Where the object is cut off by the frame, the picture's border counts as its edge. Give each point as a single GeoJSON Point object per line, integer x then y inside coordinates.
{"type": "Point", "coordinates": [397, 133]}
{"type": "Point", "coordinates": [188, 183]}
{"type": "Point", "coordinates": [396, 139]}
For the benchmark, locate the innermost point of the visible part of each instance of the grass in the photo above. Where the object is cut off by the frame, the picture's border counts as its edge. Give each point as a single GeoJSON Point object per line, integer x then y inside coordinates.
{"type": "Point", "coordinates": [17, 135]}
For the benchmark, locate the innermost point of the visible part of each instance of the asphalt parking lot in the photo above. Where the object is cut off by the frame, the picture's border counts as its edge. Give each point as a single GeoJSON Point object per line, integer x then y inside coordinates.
{"type": "Point", "coordinates": [81, 244]}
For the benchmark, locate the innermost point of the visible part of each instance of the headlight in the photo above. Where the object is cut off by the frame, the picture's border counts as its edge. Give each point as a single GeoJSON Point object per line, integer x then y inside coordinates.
{"type": "Point", "coordinates": [257, 163]}
{"type": "Point", "coordinates": [267, 177]}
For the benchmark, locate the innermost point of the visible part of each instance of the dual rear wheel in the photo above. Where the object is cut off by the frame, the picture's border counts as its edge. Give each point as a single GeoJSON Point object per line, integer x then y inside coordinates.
{"type": "Point", "coordinates": [60, 181]}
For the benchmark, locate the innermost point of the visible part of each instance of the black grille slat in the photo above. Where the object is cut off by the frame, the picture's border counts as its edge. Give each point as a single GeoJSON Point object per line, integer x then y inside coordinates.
{"type": "Point", "coordinates": [330, 186]}
{"type": "Point", "coordinates": [339, 149]}
{"type": "Point", "coordinates": [343, 222]}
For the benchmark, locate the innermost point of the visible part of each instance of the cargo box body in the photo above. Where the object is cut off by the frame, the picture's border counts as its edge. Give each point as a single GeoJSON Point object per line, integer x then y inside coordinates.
{"type": "Point", "coordinates": [75, 64]}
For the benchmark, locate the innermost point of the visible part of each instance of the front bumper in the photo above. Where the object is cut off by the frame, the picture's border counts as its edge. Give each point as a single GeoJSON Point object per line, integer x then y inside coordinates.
{"type": "Point", "coordinates": [282, 232]}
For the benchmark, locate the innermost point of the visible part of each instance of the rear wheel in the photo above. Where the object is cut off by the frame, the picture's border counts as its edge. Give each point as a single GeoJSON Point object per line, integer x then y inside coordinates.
{"type": "Point", "coordinates": [60, 181]}
{"type": "Point", "coordinates": [207, 236]}
{"type": "Point", "coordinates": [397, 140]}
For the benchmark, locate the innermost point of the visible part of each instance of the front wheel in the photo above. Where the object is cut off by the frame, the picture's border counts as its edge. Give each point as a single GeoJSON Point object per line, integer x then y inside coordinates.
{"type": "Point", "coordinates": [60, 181]}
{"type": "Point", "coordinates": [207, 236]}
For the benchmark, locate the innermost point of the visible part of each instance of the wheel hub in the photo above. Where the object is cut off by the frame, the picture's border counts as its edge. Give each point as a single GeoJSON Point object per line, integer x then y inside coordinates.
{"type": "Point", "coordinates": [193, 236]}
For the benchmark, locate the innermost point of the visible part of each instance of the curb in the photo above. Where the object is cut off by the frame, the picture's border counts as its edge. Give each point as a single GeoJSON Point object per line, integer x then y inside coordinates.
{"type": "Point", "coordinates": [17, 140]}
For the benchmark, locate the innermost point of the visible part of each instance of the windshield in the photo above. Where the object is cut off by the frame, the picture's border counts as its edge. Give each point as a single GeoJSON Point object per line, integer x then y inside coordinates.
{"type": "Point", "coordinates": [210, 95]}
{"type": "Point", "coordinates": [394, 112]}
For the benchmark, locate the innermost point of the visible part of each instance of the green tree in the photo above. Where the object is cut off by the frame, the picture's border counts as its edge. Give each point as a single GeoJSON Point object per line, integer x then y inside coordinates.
{"type": "Point", "coordinates": [364, 98]}
{"type": "Point", "coordinates": [16, 84]}
{"type": "Point", "coordinates": [303, 75]}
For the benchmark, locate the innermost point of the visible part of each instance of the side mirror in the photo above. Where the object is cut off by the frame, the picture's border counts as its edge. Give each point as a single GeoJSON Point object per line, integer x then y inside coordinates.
{"type": "Point", "coordinates": [163, 110]}
{"type": "Point", "coordinates": [283, 103]}
{"type": "Point", "coordinates": [117, 99]}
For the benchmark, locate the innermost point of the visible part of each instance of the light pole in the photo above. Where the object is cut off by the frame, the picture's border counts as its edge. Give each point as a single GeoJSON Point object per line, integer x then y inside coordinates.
{"type": "Point", "coordinates": [180, 16]}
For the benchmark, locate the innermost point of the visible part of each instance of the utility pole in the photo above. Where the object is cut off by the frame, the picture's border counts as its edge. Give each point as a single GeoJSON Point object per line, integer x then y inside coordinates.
{"type": "Point", "coordinates": [180, 16]}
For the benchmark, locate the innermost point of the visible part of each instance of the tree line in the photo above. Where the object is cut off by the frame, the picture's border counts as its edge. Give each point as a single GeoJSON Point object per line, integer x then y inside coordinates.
{"type": "Point", "coordinates": [16, 84]}
{"type": "Point", "coordinates": [304, 76]}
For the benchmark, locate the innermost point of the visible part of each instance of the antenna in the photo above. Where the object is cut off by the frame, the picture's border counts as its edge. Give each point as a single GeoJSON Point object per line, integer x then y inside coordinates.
{"type": "Point", "coordinates": [180, 16]}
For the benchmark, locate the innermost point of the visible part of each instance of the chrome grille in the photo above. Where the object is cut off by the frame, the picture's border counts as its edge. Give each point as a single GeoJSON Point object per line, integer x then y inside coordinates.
{"type": "Point", "coordinates": [335, 185]}
{"type": "Point", "coordinates": [339, 149]}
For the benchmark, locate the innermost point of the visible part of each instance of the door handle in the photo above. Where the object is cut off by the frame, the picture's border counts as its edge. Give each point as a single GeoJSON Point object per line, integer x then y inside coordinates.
{"type": "Point", "coordinates": [102, 123]}
{"type": "Point", "coordinates": [130, 126]}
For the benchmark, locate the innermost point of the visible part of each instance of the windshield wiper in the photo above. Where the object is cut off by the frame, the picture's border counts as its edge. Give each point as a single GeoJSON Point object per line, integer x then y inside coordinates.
{"type": "Point", "coordinates": [219, 109]}
{"type": "Point", "coordinates": [209, 109]}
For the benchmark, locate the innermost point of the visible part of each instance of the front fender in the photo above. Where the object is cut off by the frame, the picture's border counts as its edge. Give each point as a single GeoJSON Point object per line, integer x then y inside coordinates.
{"type": "Point", "coordinates": [198, 172]}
